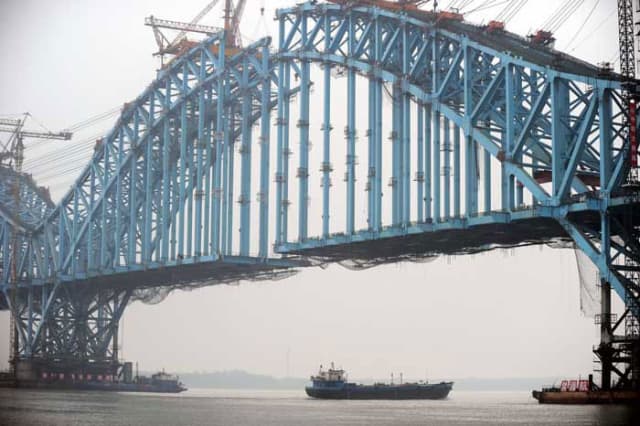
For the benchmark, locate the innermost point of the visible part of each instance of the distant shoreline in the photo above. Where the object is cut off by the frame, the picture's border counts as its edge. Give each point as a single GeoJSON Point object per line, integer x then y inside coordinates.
{"type": "Point", "coordinates": [238, 379]}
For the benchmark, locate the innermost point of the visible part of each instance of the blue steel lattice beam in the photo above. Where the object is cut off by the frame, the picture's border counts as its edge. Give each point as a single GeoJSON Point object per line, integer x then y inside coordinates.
{"type": "Point", "coordinates": [141, 204]}
{"type": "Point", "coordinates": [537, 114]}
{"type": "Point", "coordinates": [551, 129]}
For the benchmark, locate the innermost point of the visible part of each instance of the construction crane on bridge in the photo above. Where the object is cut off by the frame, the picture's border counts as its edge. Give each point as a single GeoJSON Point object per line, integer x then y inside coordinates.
{"type": "Point", "coordinates": [12, 156]}
{"type": "Point", "coordinates": [180, 43]}
{"type": "Point", "coordinates": [12, 151]}
{"type": "Point", "coordinates": [626, 35]}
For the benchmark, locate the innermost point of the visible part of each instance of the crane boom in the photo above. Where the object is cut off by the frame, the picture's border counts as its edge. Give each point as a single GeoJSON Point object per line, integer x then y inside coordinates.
{"type": "Point", "coordinates": [176, 46]}
{"type": "Point", "coordinates": [194, 21]}
{"type": "Point", "coordinates": [10, 122]}
{"type": "Point", "coordinates": [235, 25]}
{"type": "Point", "coordinates": [152, 21]}
{"type": "Point", "coordinates": [14, 147]}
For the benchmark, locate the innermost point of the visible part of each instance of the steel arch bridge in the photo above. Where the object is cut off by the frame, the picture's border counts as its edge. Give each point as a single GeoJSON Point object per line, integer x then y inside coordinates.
{"type": "Point", "coordinates": [478, 139]}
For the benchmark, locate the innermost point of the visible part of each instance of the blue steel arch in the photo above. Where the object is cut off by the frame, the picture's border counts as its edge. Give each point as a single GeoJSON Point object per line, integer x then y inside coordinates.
{"type": "Point", "coordinates": [155, 205]}
{"type": "Point", "coordinates": [148, 210]}
{"type": "Point", "coordinates": [542, 115]}
{"type": "Point", "coordinates": [18, 221]}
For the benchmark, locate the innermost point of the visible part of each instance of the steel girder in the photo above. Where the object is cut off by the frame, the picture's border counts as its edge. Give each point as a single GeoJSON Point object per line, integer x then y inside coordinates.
{"type": "Point", "coordinates": [75, 328]}
{"type": "Point", "coordinates": [159, 191]}
{"type": "Point", "coordinates": [556, 132]}
{"type": "Point", "coordinates": [17, 223]}
{"type": "Point", "coordinates": [551, 129]}
{"type": "Point", "coordinates": [157, 177]}
{"type": "Point", "coordinates": [142, 202]}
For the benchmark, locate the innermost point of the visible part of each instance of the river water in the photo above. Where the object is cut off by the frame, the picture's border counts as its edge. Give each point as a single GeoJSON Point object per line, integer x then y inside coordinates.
{"type": "Point", "coordinates": [289, 408]}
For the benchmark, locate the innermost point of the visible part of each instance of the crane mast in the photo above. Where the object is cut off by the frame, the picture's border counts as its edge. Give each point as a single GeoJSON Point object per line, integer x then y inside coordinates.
{"type": "Point", "coordinates": [236, 38]}
{"type": "Point", "coordinates": [631, 96]}
{"type": "Point", "coordinates": [628, 70]}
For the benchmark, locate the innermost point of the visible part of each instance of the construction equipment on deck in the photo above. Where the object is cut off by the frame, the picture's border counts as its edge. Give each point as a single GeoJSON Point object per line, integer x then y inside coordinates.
{"type": "Point", "coordinates": [181, 44]}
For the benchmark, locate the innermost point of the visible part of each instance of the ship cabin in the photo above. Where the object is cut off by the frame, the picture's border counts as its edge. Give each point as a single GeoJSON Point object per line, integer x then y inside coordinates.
{"type": "Point", "coordinates": [165, 380]}
{"type": "Point", "coordinates": [330, 378]}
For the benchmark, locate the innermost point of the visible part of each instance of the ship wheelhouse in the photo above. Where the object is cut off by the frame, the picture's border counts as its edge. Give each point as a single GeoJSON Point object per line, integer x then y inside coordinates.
{"type": "Point", "coordinates": [331, 378]}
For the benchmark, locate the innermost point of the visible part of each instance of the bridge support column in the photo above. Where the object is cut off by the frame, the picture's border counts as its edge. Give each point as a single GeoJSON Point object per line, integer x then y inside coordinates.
{"type": "Point", "coordinates": [166, 182]}
{"type": "Point", "coordinates": [350, 133]}
{"type": "Point", "coordinates": [471, 175]}
{"type": "Point", "coordinates": [406, 159]}
{"type": "Point", "coordinates": [420, 163]}
{"type": "Point", "coordinates": [245, 172]}
{"type": "Point", "coordinates": [282, 154]}
{"type": "Point", "coordinates": [74, 331]}
{"type": "Point", "coordinates": [605, 350]}
{"type": "Point", "coordinates": [560, 133]}
{"type": "Point", "coordinates": [375, 153]}
{"type": "Point", "coordinates": [508, 190]}
{"type": "Point", "coordinates": [228, 182]}
{"type": "Point", "coordinates": [371, 165]}
{"type": "Point", "coordinates": [428, 179]}
{"type": "Point", "coordinates": [436, 165]}
{"type": "Point", "coordinates": [326, 167]}
{"type": "Point", "coordinates": [218, 153]}
{"type": "Point", "coordinates": [456, 172]}
{"type": "Point", "coordinates": [201, 145]}
{"type": "Point", "coordinates": [487, 181]}
{"type": "Point", "coordinates": [446, 170]}
{"type": "Point", "coordinates": [396, 138]}
{"type": "Point", "coordinates": [303, 169]}
{"type": "Point", "coordinates": [265, 124]}
{"type": "Point", "coordinates": [614, 238]}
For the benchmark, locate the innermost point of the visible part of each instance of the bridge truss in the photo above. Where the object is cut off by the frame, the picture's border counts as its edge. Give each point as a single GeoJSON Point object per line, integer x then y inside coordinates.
{"type": "Point", "coordinates": [483, 139]}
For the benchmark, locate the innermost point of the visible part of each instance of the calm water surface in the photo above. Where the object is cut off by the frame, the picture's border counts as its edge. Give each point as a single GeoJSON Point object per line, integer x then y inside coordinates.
{"type": "Point", "coordinates": [288, 408]}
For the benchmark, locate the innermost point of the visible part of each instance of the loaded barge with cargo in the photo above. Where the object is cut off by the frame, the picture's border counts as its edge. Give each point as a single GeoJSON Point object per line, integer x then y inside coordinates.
{"type": "Point", "coordinates": [585, 392]}
{"type": "Point", "coordinates": [332, 384]}
{"type": "Point", "coordinates": [118, 379]}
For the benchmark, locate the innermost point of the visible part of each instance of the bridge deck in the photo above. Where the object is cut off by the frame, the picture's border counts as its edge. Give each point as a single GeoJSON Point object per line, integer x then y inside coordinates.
{"type": "Point", "coordinates": [453, 236]}
{"type": "Point", "coordinates": [188, 274]}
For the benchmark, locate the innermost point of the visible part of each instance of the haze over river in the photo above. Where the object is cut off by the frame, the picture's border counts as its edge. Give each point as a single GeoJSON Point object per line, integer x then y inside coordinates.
{"type": "Point", "coordinates": [289, 408]}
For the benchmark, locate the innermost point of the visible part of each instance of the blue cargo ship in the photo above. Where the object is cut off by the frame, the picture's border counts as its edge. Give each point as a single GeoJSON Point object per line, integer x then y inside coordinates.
{"type": "Point", "coordinates": [332, 384]}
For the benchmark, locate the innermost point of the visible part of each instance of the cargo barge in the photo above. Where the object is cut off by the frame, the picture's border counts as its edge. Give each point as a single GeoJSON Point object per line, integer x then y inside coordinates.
{"type": "Point", "coordinates": [160, 382]}
{"type": "Point", "coordinates": [584, 392]}
{"type": "Point", "coordinates": [118, 379]}
{"type": "Point", "coordinates": [332, 384]}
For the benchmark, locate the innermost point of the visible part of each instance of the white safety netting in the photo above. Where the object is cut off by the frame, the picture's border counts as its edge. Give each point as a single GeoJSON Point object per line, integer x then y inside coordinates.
{"type": "Point", "coordinates": [589, 284]}
{"type": "Point", "coordinates": [155, 295]}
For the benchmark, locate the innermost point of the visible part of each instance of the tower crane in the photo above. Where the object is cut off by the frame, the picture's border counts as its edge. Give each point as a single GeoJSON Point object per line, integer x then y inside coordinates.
{"type": "Point", "coordinates": [626, 36]}
{"type": "Point", "coordinates": [12, 156]}
{"type": "Point", "coordinates": [180, 44]}
{"type": "Point", "coordinates": [12, 153]}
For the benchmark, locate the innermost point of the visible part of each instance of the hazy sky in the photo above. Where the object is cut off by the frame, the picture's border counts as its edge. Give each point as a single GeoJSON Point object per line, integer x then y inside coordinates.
{"type": "Point", "coordinates": [499, 314]}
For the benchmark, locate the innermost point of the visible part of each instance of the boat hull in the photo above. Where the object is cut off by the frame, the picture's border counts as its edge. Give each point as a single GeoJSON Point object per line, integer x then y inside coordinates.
{"type": "Point", "coordinates": [102, 386]}
{"type": "Point", "coordinates": [587, 397]}
{"type": "Point", "coordinates": [407, 391]}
